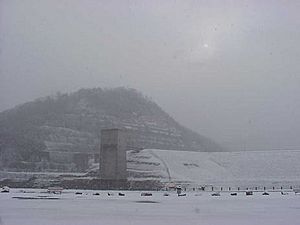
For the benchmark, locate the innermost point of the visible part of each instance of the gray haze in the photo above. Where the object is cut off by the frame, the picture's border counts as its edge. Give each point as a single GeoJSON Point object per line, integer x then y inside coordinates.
{"type": "Point", "coordinates": [227, 69]}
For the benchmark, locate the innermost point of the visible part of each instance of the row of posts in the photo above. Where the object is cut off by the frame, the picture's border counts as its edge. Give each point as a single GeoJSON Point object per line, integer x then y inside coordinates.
{"type": "Point", "coordinates": [236, 189]}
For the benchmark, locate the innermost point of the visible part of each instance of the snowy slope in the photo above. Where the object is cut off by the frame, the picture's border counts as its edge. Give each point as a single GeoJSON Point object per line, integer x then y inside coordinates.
{"type": "Point", "coordinates": [227, 168]}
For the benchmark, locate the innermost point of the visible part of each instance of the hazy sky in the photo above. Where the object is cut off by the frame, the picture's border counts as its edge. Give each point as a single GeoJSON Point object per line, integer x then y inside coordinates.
{"type": "Point", "coordinates": [229, 70]}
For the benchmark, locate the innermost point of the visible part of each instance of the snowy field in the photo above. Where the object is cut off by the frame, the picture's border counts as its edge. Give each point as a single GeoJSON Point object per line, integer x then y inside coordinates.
{"type": "Point", "coordinates": [134, 209]}
{"type": "Point", "coordinates": [245, 169]}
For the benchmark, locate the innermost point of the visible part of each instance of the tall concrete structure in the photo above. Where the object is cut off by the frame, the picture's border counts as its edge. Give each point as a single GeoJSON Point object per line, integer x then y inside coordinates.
{"type": "Point", "coordinates": [113, 164]}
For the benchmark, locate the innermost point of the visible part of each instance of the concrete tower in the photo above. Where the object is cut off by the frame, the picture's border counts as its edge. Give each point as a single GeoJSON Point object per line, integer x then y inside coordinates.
{"type": "Point", "coordinates": [113, 164]}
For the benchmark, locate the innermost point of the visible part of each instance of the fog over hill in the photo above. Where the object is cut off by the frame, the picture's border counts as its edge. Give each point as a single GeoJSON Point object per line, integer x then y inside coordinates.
{"type": "Point", "coordinates": [72, 123]}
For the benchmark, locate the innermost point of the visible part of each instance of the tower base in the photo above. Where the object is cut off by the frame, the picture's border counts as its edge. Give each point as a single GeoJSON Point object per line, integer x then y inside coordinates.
{"type": "Point", "coordinates": [113, 184]}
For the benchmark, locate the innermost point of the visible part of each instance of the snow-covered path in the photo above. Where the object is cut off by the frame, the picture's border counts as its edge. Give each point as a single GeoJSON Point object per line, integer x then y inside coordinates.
{"type": "Point", "coordinates": [133, 209]}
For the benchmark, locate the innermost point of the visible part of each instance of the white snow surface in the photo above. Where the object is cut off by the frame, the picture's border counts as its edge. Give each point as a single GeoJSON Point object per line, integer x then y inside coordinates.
{"type": "Point", "coordinates": [218, 168]}
{"type": "Point", "coordinates": [134, 209]}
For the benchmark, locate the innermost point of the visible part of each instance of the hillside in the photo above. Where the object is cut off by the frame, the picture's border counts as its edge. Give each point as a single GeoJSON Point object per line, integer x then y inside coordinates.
{"type": "Point", "coordinates": [254, 168]}
{"type": "Point", "coordinates": [71, 123]}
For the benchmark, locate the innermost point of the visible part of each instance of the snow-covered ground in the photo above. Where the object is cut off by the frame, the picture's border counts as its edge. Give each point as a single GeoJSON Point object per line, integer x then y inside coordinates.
{"type": "Point", "coordinates": [254, 168]}
{"type": "Point", "coordinates": [134, 209]}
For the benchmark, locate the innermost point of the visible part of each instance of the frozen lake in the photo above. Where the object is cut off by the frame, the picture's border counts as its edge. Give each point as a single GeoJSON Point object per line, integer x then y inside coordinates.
{"type": "Point", "coordinates": [134, 209]}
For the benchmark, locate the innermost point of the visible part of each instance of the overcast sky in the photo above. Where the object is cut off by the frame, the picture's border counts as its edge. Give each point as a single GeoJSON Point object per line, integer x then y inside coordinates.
{"type": "Point", "coordinates": [229, 70]}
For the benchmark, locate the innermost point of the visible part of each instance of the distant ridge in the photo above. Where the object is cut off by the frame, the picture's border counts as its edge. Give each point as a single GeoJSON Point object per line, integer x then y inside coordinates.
{"type": "Point", "coordinates": [73, 122]}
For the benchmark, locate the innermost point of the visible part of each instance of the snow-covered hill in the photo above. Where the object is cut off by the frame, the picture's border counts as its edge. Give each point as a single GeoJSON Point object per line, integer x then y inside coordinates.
{"type": "Point", "coordinates": [216, 168]}
{"type": "Point", "coordinates": [57, 127]}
